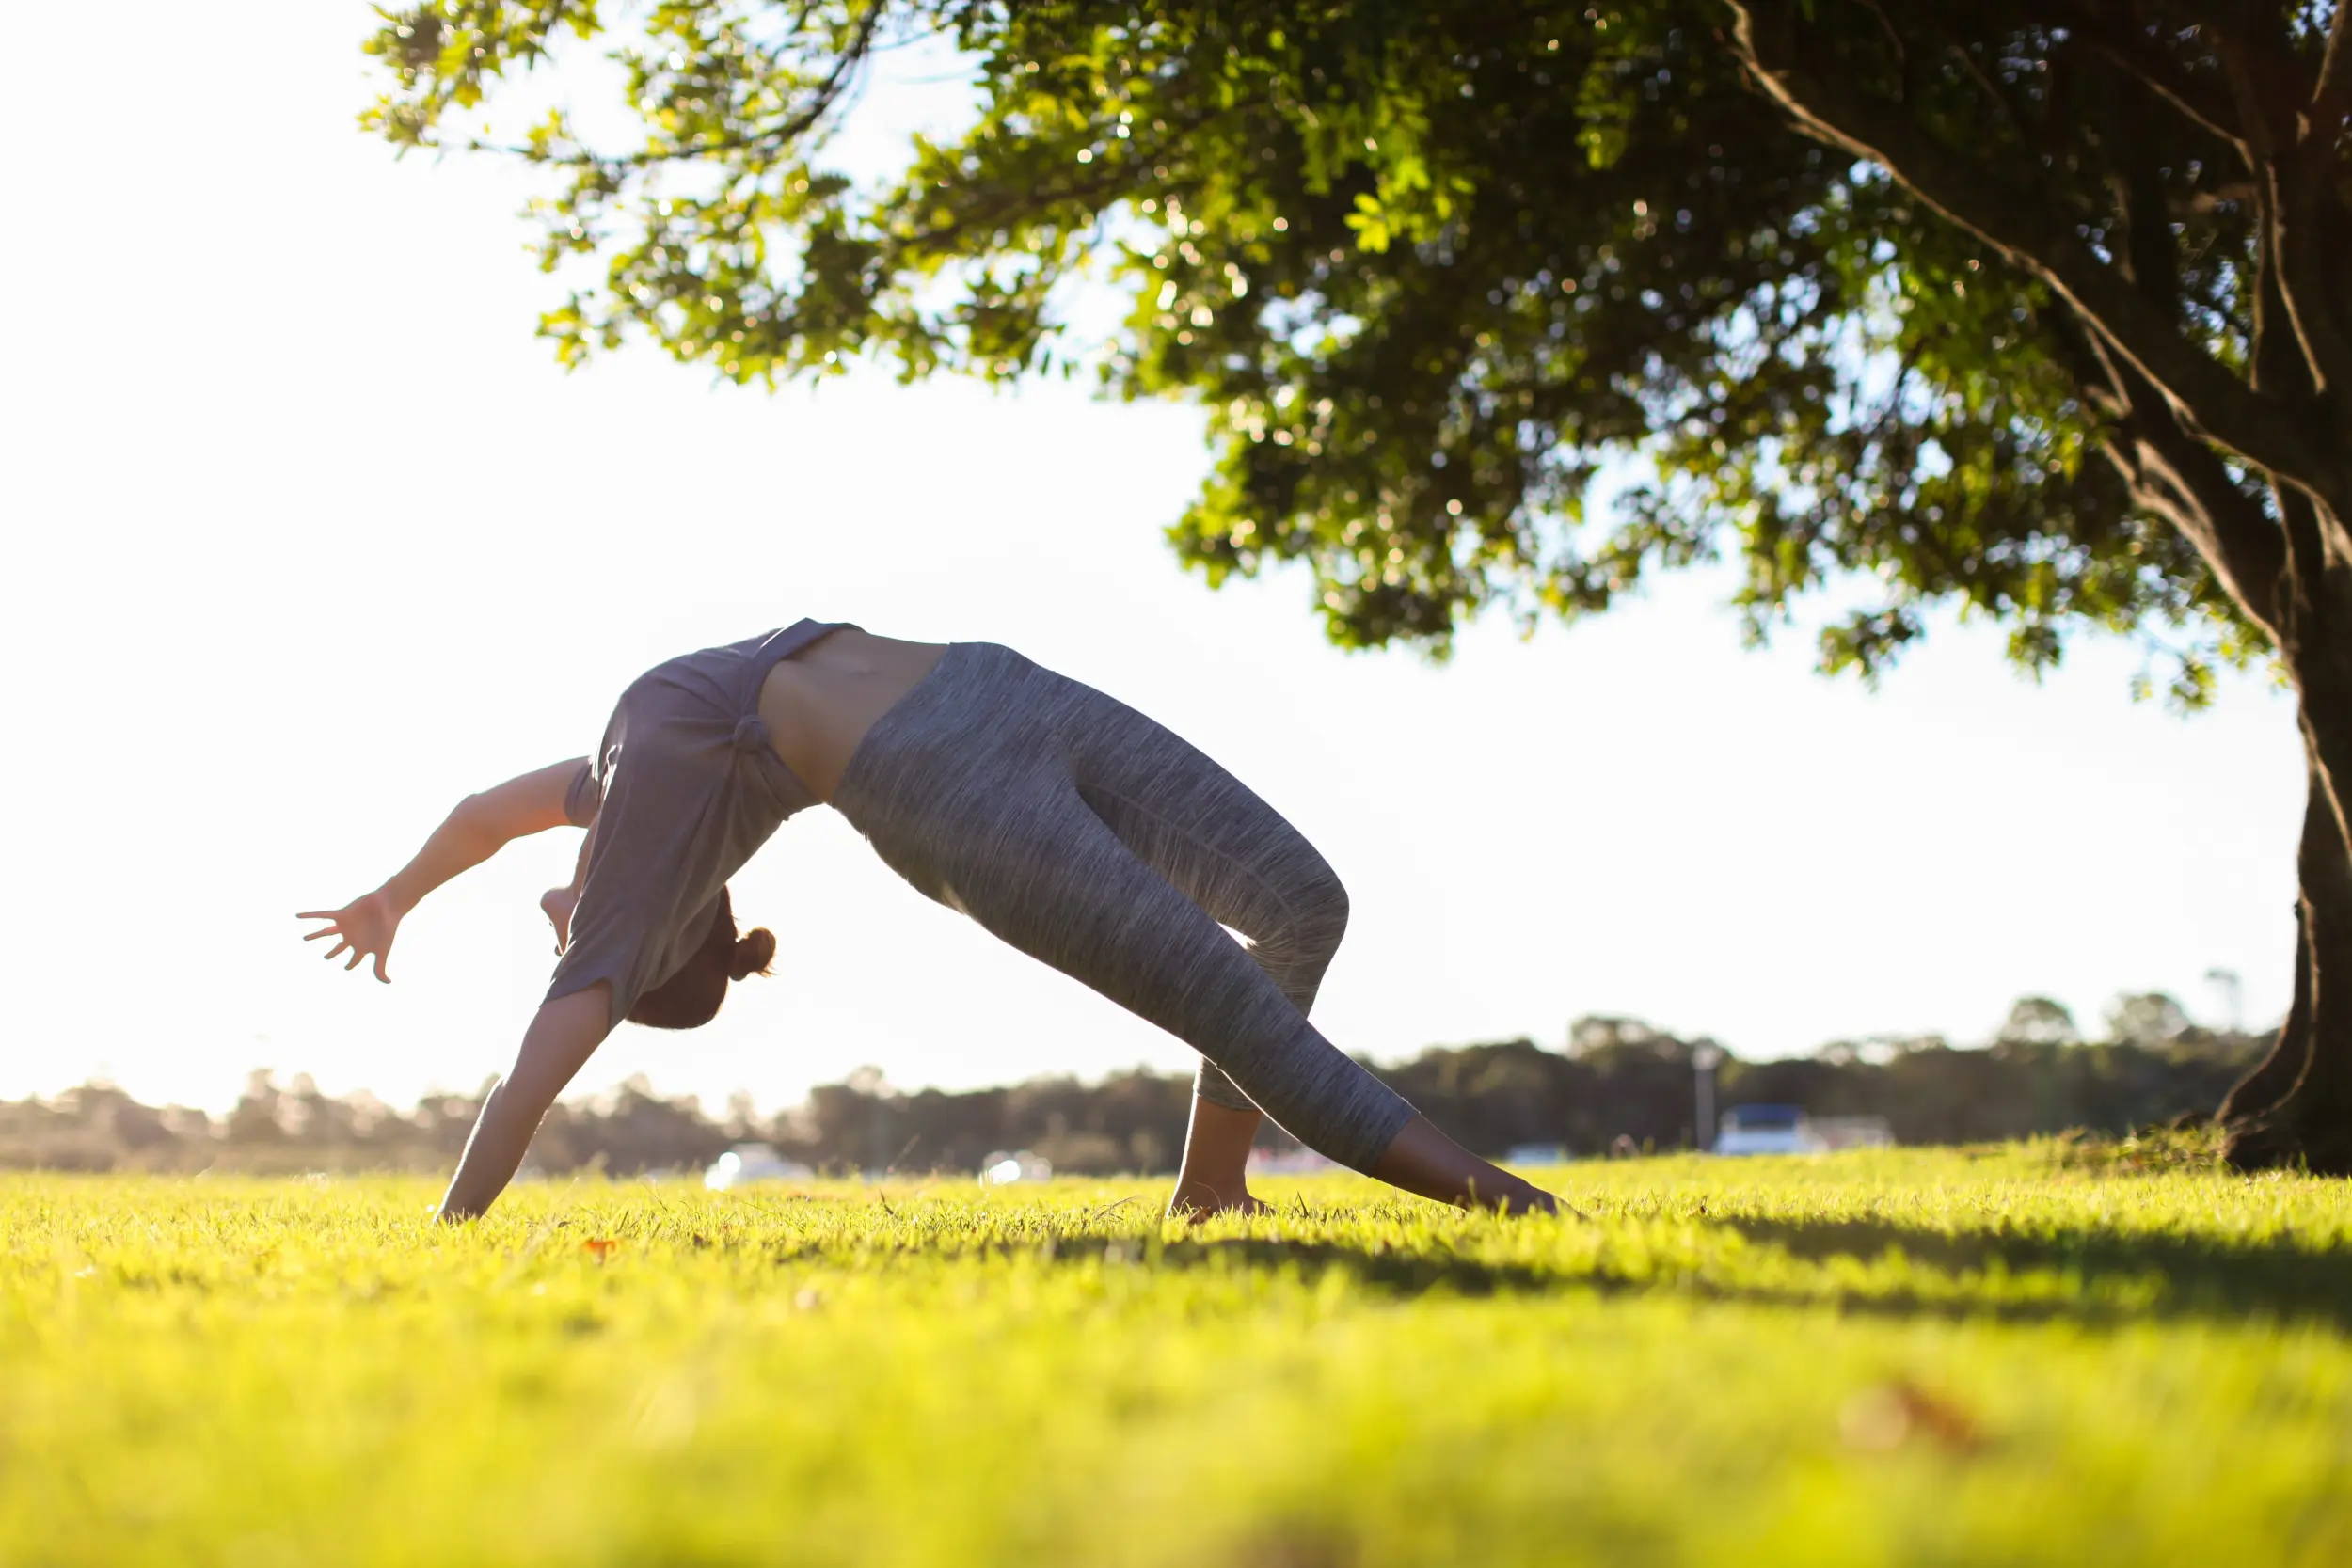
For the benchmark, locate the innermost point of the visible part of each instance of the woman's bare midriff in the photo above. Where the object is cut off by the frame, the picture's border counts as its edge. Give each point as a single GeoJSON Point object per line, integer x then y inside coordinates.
{"type": "Point", "coordinates": [818, 703]}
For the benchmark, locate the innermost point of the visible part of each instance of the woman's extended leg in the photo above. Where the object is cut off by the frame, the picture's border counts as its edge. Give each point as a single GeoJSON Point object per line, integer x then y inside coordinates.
{"type": "Point", "coordinates": [1035, 866]}
{"type": "Point", "coordinates": [1096, 912]}
{"type": "Point", "coordinates": [1243, 862]}
{"type": "Point", "coordinates": [1221, 846]}
{"type": "Point", "coordinates": [969, 792]}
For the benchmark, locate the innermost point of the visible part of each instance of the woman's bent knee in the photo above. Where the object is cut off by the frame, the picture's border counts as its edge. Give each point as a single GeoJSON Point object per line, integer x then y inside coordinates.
{"type": "Point", "coordinates": [1313, 920]}
{"type": "Point", "coordinates": [1329, 911]}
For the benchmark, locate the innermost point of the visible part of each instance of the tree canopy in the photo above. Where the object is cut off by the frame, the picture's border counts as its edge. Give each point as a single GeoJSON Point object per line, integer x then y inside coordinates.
{"type": "Point", "coordinates": [1430, 268]}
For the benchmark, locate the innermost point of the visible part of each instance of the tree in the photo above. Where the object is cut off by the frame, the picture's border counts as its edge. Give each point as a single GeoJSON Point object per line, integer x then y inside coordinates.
{"type": "Point", "coordinates": [2147, 1020]}
{"type": "Point", "coordinates": [2022, 309]}
{"type": "Point", "coordinates": [2038, 1021]}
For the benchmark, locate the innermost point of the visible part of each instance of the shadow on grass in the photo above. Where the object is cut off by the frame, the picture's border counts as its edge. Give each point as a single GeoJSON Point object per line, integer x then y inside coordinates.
{"type": "Point", "coordinates": [2191, 1276]}
{"type": "Point", "coordinates": [1383, 1270]}
{"type": "Point", "coordinates": [2106, 1279]}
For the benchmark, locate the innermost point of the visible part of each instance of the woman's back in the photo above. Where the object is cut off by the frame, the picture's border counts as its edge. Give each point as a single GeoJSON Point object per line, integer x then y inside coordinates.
{"type": "Point", "coordinates": [818, 703]}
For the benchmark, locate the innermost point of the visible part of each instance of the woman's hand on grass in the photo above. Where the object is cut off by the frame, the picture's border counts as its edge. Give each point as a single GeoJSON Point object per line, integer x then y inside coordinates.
{"type": "Point", "coordinates": [565, 1033]}
{"type": "Point", "coordinates": [363, 928]}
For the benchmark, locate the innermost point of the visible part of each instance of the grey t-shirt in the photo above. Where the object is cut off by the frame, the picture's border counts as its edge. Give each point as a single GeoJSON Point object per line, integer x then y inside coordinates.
{"type": "Point", "coordinates": [684, 788]}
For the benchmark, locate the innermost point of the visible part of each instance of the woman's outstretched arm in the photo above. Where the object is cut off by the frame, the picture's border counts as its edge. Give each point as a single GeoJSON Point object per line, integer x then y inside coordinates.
{"type": "Point", "coordinates": [477, 829]}
{"type": "Point", "coordinates": [564, 1034]}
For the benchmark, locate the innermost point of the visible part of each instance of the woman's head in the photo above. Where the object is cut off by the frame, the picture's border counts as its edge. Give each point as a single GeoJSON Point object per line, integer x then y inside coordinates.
{"type": "Point", "coordinates": [691, 998]}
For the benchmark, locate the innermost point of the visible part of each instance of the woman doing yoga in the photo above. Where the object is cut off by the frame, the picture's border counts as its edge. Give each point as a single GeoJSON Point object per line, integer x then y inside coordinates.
{"type": "Point", "coordinates": [1065, 822]}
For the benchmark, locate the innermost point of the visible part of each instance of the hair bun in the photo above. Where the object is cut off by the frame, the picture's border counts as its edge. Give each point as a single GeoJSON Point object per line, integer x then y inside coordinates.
{"type": "Point", "coordinates": [753, 951]}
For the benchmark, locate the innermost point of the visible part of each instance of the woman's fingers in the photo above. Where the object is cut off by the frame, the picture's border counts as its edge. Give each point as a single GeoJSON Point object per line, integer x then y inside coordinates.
{"type": "Point", "coordinates": [348, 941]}
{"type": "Point", "coordinates": [334, 926]}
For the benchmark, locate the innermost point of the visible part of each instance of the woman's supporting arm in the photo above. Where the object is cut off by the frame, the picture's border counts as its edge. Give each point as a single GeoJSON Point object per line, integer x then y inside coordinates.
{"type": "Point", "coordinates": [477, 829]}
{"type": "Point", "coordinates": [563, 1036]}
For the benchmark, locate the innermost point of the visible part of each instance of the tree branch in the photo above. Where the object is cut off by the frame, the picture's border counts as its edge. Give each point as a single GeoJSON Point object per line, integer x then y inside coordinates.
{"type": "Point", "coordinates": [2178, 477]}
{"type": "Point", "coordinates": [771, 139]}
{"type": "Point", "coordinates": [2175, 474]}
{"type": "Point", "coordinates": [2130, 54]}
{"type": "Point", "coordinates": [2267, 432]}
{"type": "Point", "coordinates": [2287, 198]}
{"type": "Point", "coordinates": [2331, 97]}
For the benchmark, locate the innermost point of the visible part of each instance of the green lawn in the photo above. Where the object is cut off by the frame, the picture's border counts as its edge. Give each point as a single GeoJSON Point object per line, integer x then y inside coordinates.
{"type": "Point", "coordinates": [1900, 1357]}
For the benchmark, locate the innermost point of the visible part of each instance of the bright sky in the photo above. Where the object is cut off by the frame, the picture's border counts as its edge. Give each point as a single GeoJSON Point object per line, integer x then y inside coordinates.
{"type": "Point", "coordinates": [305, 536]}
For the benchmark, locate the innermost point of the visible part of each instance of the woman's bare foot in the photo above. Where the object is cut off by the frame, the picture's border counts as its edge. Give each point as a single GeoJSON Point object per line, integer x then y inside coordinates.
{"type": "Point", "coordinates": [1214, 1177]}
{"type": "Point", "coordinates": [1197, 1200]}
{"type": "Point", "coordinates": [1425, 1161]}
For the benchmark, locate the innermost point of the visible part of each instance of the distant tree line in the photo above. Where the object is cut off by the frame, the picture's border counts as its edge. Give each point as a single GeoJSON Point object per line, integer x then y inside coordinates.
{"type": "Point", "coordinates": [1616, 1078]}
{"type": "Point", "coordinates": [1621, 1078]}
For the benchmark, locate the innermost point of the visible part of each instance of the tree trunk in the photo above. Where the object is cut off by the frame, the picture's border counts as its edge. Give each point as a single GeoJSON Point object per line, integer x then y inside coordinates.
{"type": "Point", "coordinates": [2310, 1123]}
{"type": "Point", "coordinates": [2297, 1106]}
{"type": "Point", "coordinates": [2282, 1066]}
{"type": "Point", "coordinates": [2279, 1071]}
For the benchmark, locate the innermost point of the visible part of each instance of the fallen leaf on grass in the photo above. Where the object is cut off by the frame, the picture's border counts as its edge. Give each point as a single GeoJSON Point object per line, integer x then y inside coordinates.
{"type": "Point", "coordinates": [1885, 1418]}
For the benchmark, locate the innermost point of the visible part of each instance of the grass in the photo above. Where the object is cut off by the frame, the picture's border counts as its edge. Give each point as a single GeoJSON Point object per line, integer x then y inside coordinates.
{"type": "Point", "coordinates": [2000, 1357]}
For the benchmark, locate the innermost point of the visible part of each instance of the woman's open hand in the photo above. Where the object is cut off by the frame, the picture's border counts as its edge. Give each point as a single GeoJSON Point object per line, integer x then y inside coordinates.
{"type": "Point", "coordinates": [363, 928]}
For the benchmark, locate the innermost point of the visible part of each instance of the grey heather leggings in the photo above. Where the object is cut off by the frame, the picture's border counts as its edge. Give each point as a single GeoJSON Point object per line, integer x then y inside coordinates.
{"type": "Point", "coordinates": [1095, 841]}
